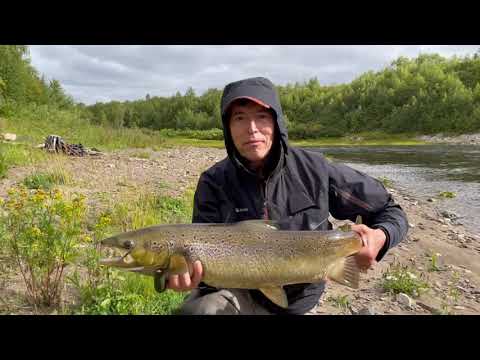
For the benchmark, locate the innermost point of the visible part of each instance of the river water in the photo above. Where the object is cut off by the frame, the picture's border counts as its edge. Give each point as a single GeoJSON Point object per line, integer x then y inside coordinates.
{"type": "Point", "coordinates": [424, 171]}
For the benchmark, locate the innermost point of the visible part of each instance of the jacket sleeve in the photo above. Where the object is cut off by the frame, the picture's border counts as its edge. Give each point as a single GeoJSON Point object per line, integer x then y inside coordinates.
{"type": "Point", "coordinates": [206, 205]}
{"type": "Point", "coordinates": [353, 193]}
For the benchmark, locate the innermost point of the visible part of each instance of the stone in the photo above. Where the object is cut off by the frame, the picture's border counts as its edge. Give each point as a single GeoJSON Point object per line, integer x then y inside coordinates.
{"type": "Point", "coordinates": [368, 310]}
{"type": "Point", "coordinates": [405, 300]}
{"type": "Point", "coordinates": [9, 136]}
{"type": "Point", "coordinates": [431, 200]}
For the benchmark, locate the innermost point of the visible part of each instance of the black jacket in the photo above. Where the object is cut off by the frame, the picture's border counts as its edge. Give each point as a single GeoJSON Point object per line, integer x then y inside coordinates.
{"type": "Point", "coordinates": [300, 191]}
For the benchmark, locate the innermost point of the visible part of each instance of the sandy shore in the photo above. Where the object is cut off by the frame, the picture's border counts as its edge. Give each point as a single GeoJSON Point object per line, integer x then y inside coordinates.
{"type": "Point", "coordinates": [453, 286]}
{"type": "Point", "coordinates": [465, 139]}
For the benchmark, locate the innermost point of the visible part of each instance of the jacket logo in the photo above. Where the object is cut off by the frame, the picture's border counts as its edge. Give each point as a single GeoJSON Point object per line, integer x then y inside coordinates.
{"type": "Point", "coordinates": [238, 210]}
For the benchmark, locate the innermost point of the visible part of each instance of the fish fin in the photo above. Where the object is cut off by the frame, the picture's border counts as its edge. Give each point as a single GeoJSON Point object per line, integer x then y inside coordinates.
{"type": "Point", "coordinates": [345, 272]}
{"type": "Point", "coordinates": [276, 294]}
{"type": "Point", "coordinates": [358, 220]}
{"type": "Point", "coordinates": [159, 282]}
{"type": "Point", "coordinates": [178, 265]}
{"type": "Point", "coordinates": [259, 224]}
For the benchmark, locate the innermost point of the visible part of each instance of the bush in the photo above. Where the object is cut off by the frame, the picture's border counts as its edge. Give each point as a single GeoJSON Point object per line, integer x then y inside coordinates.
{"type": "Point", "coordinates": [41, 234]}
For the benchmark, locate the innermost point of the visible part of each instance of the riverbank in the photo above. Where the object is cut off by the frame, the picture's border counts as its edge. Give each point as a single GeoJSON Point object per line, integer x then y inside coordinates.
{"type": "Point", "coordinates": [465, 139]}
{"type": "Point", "coordinates": [437, 251]}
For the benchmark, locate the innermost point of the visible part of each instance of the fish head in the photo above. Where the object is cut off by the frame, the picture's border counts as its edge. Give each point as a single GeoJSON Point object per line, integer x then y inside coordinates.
{"type": "Point", "coordinates": [145, 250]}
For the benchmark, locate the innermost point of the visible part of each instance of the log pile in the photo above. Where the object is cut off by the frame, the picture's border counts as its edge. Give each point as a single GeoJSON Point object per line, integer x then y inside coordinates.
{"type": "Point", "coordinates": [54, 143]}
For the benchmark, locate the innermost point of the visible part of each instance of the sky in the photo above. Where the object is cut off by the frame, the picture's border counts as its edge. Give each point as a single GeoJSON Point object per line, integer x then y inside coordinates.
{"type": "Point", "coordinates": [101, 73]}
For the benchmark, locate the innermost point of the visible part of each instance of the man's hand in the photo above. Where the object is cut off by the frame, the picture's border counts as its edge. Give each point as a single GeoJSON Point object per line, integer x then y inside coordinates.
{"type": "Point", "coordinates": [373, 241]}
{"type": "Point", "coordinates": [187, 281]}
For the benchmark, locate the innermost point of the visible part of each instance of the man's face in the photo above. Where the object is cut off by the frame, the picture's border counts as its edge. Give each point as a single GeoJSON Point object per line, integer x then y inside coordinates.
{"type": "Point", "coordinates": [252, 129]}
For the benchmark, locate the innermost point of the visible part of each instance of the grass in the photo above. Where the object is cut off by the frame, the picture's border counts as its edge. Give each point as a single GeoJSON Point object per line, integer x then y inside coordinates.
{"type": "Point", "coordinates": [385, 181]}
{"type": "Point", "coordinates": [401, 279]}
{"type": "Point", "coordinates": [434, 263]}
{"type": "Point", "coordinates": [129, 294]}
{"type": "Point", "coordinates": [17, 155]}
{"type": "Point", "coordinates": [362, 139]}
{"type": "Point", "coordinates": [447, 195]}
{"type": "Point", "coordinates": [340, 301]}
{"type": "Point", "coordinates": [47, 181]}
{"type": "Point", "coordinates": [141, 154]}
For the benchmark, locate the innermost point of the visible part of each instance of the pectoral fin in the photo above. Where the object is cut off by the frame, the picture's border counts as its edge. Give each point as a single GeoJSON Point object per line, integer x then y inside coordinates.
{"type": "Point", "coordinates": [276, 295]}
{"type": "Point", "coordinates": [178, 265]}
{"type": "Point", "coordinates": [159, 282]}
{"type": "Point", "coordinates": [346, 272]}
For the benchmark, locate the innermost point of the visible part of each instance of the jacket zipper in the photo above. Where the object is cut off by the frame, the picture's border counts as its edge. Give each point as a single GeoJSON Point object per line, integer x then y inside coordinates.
{"type": "Point", "coordinates": [266, 213]}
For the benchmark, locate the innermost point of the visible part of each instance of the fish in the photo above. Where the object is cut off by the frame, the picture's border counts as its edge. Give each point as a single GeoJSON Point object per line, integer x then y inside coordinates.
{"type": "Point", "coordinates": [250, 254]}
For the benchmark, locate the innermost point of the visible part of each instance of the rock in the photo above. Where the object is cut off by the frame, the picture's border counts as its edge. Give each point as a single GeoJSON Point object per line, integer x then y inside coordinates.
{"type": "Point", "coordinates": [404, 299]}
{"type": "Point", "coordinates": [411, 225]}
{"type": "Point", "coordinates": [458, 307]}
{"type": "Point", "coordinates": [368, 310]}
{"type": "Point", "coordinates": [431, 200]}
{"type": "Point", "coordinates": [9, 136]}
{"type": "Point", "coordinates": [432, 309]}
{"type": "Point", "coordinates": [448, 214]}
{"type": "Point", "coordinates": [461, 237]}
{"type": "Point", "coordinates": [353, 310]}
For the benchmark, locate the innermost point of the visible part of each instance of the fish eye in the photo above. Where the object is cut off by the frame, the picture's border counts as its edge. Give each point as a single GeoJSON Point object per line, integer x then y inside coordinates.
{"type": "Point", "coordinates": [129, 244]}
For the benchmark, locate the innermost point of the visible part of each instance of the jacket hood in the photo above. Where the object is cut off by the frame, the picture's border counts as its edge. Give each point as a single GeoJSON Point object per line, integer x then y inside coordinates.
{"type": "Point", "coordinates": [260, 90]}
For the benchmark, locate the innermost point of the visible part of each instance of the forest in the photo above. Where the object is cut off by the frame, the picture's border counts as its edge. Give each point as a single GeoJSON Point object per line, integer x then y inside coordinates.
{"type": "Point", "coordinates": [425, 95]}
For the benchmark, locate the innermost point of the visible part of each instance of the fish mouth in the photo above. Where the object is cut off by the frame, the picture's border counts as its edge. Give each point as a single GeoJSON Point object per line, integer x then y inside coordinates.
{"type": "Point", "coordinates": [128, 263]}
{"type": "Point", "coordinates": [124, 261]}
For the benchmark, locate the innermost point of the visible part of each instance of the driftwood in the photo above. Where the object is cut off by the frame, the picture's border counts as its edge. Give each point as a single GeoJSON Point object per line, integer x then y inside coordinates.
{"type": "Point", "coordinates": [54, 143]}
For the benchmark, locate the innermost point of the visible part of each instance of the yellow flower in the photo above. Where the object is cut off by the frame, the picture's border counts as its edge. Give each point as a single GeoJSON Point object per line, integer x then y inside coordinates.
{"type": "Point", "coordinates": [36, 231]}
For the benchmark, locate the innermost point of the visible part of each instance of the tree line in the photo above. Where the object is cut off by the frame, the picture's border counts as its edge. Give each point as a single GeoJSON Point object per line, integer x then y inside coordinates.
{"type": "Point", "coordinates": [20, 82]}
{"type": "Point", "coordinates": [427, 94]}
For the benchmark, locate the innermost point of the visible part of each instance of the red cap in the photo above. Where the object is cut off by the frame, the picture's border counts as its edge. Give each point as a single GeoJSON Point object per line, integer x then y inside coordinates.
{"type": "Point", "coordinates": [258, 101]}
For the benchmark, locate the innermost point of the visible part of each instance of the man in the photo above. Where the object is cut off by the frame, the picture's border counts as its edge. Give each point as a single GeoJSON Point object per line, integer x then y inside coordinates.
{"type": "Point", "coordinates": [264, 177]}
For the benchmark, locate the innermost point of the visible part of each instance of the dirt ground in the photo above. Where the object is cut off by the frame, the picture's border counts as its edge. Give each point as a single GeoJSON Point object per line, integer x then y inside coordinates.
{"type": "Point", "coordinates": [112, 176]}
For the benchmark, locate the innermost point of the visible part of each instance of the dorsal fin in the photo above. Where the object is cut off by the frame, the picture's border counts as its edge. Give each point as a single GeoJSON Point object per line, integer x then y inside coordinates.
{"type": "Point", "coordinates": [259, 224]}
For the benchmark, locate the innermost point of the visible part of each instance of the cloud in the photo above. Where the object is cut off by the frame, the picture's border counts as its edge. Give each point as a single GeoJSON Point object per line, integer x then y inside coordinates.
{"type": "Point", "coordinates": [118, 72]}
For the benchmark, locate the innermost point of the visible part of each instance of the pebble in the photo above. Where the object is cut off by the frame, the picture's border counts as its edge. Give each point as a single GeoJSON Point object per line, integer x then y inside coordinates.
{"type": "Point", "coordinates": [367, 311]}
{"type": "Point", "coordinates": [404, 299]}
{"type": "Point", "coordinates": [458, 307]}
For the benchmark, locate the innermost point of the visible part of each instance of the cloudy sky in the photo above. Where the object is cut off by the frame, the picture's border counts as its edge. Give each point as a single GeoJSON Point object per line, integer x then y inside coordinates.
{"type": "Point", "coordinates": [119, 72]}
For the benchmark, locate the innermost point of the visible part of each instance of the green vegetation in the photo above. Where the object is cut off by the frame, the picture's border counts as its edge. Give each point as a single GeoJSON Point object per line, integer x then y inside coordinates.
{"type": "Point", "coordinates": [424, 95]}
{"type": "Point", "coordinates": [385, 181]}
{"type": "Point", "coordinates": [340, 301]}
{"type": "Point", "coordinates": [42, 234]}
{"type": "Point", "coordinates": [401, 279]}
{"type": "Point", "coordinates": [49, 236]}
{"type": "Point", "coordinates": [47, 181]}
{"type": "Point", "coordinates": [447, 195]}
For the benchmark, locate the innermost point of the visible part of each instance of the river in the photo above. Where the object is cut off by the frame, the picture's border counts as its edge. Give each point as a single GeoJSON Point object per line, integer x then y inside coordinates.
{"type": "Point", "coordinates": [424, 171]}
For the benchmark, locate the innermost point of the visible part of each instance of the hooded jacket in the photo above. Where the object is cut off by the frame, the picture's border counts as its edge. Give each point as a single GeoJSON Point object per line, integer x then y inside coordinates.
{"type": "Point", "coordinates": [300, 190]}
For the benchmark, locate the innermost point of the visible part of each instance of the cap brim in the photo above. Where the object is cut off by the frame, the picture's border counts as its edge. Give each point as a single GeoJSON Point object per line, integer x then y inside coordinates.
{"type": "Point", "coordinates": [258, 101]}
